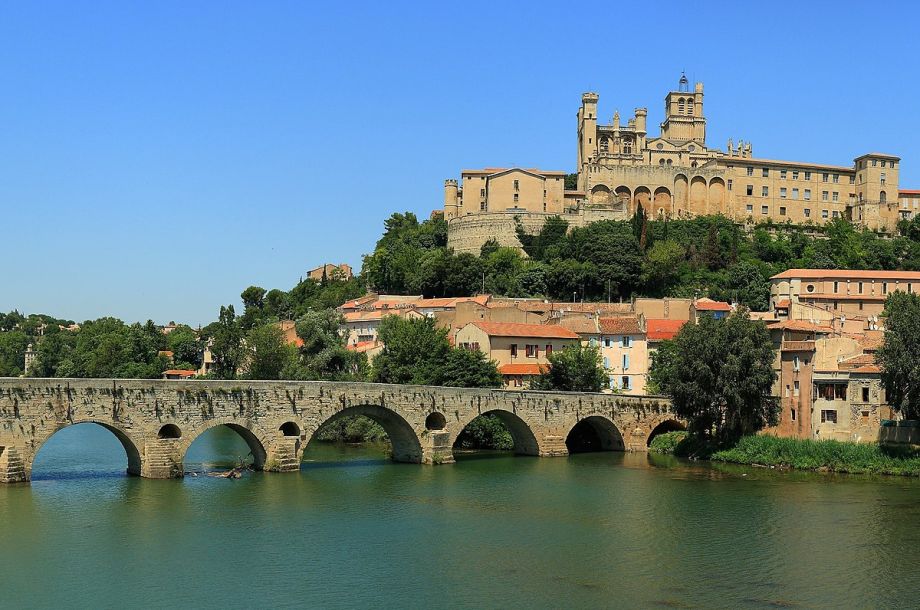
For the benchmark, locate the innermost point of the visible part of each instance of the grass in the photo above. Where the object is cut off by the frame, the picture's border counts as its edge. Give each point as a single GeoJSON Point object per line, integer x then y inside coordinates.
{"type": "Point", "coordinates": [801, 454]}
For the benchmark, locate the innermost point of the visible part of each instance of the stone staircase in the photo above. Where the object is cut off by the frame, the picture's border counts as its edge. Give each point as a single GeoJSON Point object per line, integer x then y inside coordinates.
{"type": "Point", "coordinates": [160, 459]}
{"type": "Point", "coordinates": [12, 468]}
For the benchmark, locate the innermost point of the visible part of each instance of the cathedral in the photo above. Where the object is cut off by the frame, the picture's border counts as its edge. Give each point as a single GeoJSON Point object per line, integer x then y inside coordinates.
{"type": "Point", "coordinates": [674, 174]}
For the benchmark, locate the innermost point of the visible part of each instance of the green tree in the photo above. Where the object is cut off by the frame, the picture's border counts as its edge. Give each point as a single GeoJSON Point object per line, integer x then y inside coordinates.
{"type": "Point", "coordinates": [720, 376]}
{"type": "Point", "coordinates": [323, 354]}
{"type": "Point", "coordinates": [268, 354]}
{"type": "Point", "coordinates": [662, 267]}
{"type": "Point", "coordinates": [227, 344]}
{"type": "Point", "coordinates": [13, 346]}
{"type": "Point", "coordinates": [183, 343]}
{"type": "Point", "coordinates": [414, 351]}
{"type": "Point", "coordinates": [575, 368]}
{"type": "Point", "coordinates": [464, 368]}
{"type": "Point", "coordinates": [899, 356]}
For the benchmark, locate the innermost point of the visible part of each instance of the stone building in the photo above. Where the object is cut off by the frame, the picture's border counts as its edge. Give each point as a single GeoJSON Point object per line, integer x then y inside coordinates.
{"type": "Point", "coordinates": [674, 174]}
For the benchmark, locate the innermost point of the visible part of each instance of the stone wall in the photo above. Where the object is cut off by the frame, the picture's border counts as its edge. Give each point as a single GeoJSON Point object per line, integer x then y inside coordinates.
{"type": "Point", "coordinates": [469, 233]}
{"type": "Point", "coordinates": [156, 421]}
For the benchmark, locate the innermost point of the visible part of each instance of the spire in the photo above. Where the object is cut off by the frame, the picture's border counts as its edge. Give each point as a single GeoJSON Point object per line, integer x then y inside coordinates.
{"type": "Point", "coordinates": [683, 84]}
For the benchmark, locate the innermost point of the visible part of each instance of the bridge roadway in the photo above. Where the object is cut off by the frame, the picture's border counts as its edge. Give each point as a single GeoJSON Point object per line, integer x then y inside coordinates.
{"type": "Point", "coordinates": [157, 420]}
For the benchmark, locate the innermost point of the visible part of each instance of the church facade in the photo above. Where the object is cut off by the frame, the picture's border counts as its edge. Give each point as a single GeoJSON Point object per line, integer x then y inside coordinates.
{"type": "Point", "coordinates": [675, 174]}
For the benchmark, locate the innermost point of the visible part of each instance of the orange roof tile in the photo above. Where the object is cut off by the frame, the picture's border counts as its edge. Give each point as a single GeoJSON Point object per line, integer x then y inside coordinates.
{"type": "Point", "coordinates": [626, 325]}
{"type": "Point", "coordinates": [783, 304]}
{"type": "Point", "coordinates": [705, 304]}
{"type": "Point", "coordinates": [580, 324]}
{"type": "Point", "coordinates": [856, 362]}
{"type": "Point", "coordinates": [871, 340]}
{"type": "Point", "coordinates": [800, 325]}
{"type": "Point", "coordinates": [909, 192]}
{"type": "Point", "coordinates": [179, 373]}
{"type": "Point", "coordinates": [523, 369]}
{"type": "Point", "coordinates": [662, 330]}
{"type": "Point", "coordinates": [845, 273]}
{"type": "Point", "coordinates": [506, 329]}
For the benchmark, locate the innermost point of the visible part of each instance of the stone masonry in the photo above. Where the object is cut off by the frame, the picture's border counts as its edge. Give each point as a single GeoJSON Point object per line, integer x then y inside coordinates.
{"type": "Point", "coordinates": [157, 420]}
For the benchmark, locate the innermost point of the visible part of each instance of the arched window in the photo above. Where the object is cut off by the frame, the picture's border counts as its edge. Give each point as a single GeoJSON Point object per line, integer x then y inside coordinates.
{"type": "Point", "coordinates": [690, 107]}
{"type": "Point", "coordinates": [693, 164]}
{"type": "Point", "coordinates": [627, 147]}
{"type": "Point", "coordinates": [604, 144]}
{"type": "Point", "coordinates": [882, 197]}
{"type": "Point", "coordinates": [680, 106]}
{"type": "Point", "coordinates": [660, 161]}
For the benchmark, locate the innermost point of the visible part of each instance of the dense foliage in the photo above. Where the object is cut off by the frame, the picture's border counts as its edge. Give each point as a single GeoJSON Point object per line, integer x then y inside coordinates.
{"type": "Point", "coordinates": [575, 368]}
{"type": "Point", "coordinates": [719, 374]}
{"type": "Point", "coordinates": [899, 356]}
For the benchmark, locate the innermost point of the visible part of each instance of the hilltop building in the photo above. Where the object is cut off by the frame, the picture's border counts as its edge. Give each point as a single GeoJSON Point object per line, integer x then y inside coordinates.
{"type": "Point", "coordinates": [674, 174]}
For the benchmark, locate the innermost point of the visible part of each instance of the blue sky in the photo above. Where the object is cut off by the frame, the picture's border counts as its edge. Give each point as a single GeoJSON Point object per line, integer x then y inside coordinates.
{"type": "Point", "coordinates": [157, 158]}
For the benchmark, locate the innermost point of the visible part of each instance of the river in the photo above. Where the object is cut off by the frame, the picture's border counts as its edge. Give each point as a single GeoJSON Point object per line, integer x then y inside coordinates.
{"type": "Point", "coordinates": [491, 531]}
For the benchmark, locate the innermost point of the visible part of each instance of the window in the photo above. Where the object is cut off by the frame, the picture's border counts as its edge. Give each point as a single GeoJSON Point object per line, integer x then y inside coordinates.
{"type": "Point", "coordinates": [835, 196]}
{"type": "Point", "coordinates": [808, 175]}
{"type": "Point", "coordinates": [882, 163]}
{"type": "Point", "coordinates": [823, 213]}
{"type": "Point", "coordinates": [729, 184]}
{"type": "Point", "coordinates": [836, 287]}
{"type": "Point", "coordinates": [795, 389]}
{"type": "Point", "coordinates": [593, 341]}
{"type": "Point", "coordinates": [793, 415]}
{"type": "Point", "coordinates": [852, 179]}
{"type": "Point", "coordinates": [680, 106]}
{"type": "Point", "coordinates": [514, 350]}
{"type": "Point", "coordinates": [626, 385]}
{"type": "Point", "coordinates": [882, 197]}
{"type": "Point", "coordinates": [782, 174]}
{"type": "Point", "coordinates": [865, 394]}
{"type": "Point", "coordinates": [807, 196]}
{"type": "Point", "coordinates": [828, 416]}
{"type": "Point", "coordinates": [873, 162]}
{"type": "Point", "coordinates": [518, 381]}
{"type": "Point", "coordinates": [482, 192]}
{"type": "Point", "coordinates": [515, 197]}
{"type": "Point", "coordinates": [482, 205]}
{"type": "Point", "coordinates": [613, 382]}
{"type": "Point", "coordinates": [750, 171]}
{"type": "Point", "coordinates": [795, 363]}
{"type": "Point", "coordinates": [764, 191]}
{"type": "Point", "coordinates": [824, 176]}
{"type": "Point", "coordinates": [532, 351]}
{"type": "Point", "coordinates": [782, 192]}
{"type": "Point", "coordinates": [549, 349]}
{"type": "Point", "coordinates": [782, 211]}
{"type": "Point", "coordinates": [831, 391]}
{"type": "Point", "coordinates": [795, 193]}
{"type": "Point", "coordinates": [836, 178]}
{"type": "Point", "coordinates": [606, 362]}
{"type": "Point", "coordinates": [625, 362]}
{"type": "Point", "coordinates": [860, 287]}
{"type": "Point", "coordinates": [608, 342]}
{"type": "Point", "coordinates": [750, 190]}
{"type": "Point", "coordinates": [627, 147]}
{"type": "Point", "coordinates": [807, 213]}
{"type": "Point", "coordinates": [750, 208]}
{"type": "Point", "coordinates": [884, 287]}
{"type": "Point", "coordinates": [824, 195]}
{"type": "Point", "coordinates": [836, 214]}
{"type": "Point", "coordinates": [517, 185]}
{"type": "Point", "coordinates": [787, 391]}
{"type": "Point", "coordinates": [765, 209]}
{"type": "Point", "coordinates": [627, 341]}
{"type": "Point", "coordinates": [795, 174]}
{"type": "Point", "coordinates": [766, 172]}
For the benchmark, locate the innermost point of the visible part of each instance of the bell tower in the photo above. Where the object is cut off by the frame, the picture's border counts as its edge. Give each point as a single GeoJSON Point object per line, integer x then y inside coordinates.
{"type": "Point", "coordinates": [683, 113]}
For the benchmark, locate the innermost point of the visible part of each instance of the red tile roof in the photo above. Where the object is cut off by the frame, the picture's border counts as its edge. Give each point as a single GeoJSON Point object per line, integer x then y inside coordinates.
{"type": "Point", "coordinates": [578, 323]}
{"type": "Point", "coordinates": [856, 362]}
{"type": "Point", "coordinates": [705, 304]}
{"type": "Point", "coordinates": [625, 325]}
{"type": "Point", "coordinates": [522, 369]}
{"type": "Point", "coordinates": [662, 330]}
{"type": "Point", "coordinates": [799, 325]}
{"type": "Point", "coordinates": [909, 192]}
{"type": "Point", "coordinates": [844, 273]}
{"type": "Point", "coordinates": [783, 304]}
{"type": "Point", "coordinates": [505, 329]}
{"type": "Point", "coordinates": [179, 373]}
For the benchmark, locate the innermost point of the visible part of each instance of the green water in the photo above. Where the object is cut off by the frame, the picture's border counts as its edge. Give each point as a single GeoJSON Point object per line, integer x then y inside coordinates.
{"type": "Point", "coordinates": [354, 530]}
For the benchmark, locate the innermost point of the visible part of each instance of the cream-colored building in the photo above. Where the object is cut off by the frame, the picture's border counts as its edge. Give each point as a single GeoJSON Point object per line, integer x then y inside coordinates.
{"type": "Point", "coordinates": [521, 351]}
{"type": "Point", "coordinates": [677, 174]}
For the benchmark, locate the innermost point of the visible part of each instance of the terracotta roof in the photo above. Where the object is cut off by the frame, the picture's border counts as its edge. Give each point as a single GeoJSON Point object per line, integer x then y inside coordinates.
{"type": "Point", "coordinates": [522, 369]}
{"type": "Point", "coordinates": [580, 324]}
{"type": "Point", "coordinates": [481, 299]}
{"type": "Point", "coordinates": [868, 368]}
{"type": "Point", "coordinates": [377, 315]}
{"type": "Point", "coordinates": [871, 340]}
{"type": "Point", "coordinates": [800, 325]}
{"type": "Point", "coordinates": [843, 297]}
{"type": "Point", "coordinates": [363, 346]}
{"type": "Point", "coordinates": [847, 274]}
{"type": "Point", "coordinates": [625, 325]}
{"type": "Point", "coordinates": [506, 329]}
{"type": "Point", "coordinates": [359, 301]}
{"type": "Point", "coordinates": [856, 362]}
{"type": "Point", "coordinates": [179, 373]}
{"type": "Point", "coordinates": [705, 304]}
{"type": "Point", "coordinates": [662, 330]}
{"type": "Point", "coordinates": [783, 304]}
{"type": "Point", "coordinates": [909, 192]}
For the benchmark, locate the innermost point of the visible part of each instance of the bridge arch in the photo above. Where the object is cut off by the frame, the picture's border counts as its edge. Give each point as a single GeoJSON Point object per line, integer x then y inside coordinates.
{"type": "Point", "coordinates": [403, 438]}
{"type": "Point", "coordinates": [525, 441]}
{"type": "Point", "coordinates": [667, 425]}
{"type": "Point", "coordinates": [256, 439]}
{"type": "Point", "coordinates": [594, 433]}
{"type": "Point", "coordinates": [129, 444]}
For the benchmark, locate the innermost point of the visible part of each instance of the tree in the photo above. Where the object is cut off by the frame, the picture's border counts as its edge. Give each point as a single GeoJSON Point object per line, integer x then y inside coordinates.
{"type": "Point", "coordinates": [720, 376]}
{"type": "Point", "coordinates": [413, 352]}
{"type": "Point", "coordinates": [268, 353]}
{"type": "Point", "coordinates": [323, 353]}
{"type": "Point", "coordinates": [899, 356]}
{"type": "Point", "coordinates": [575, 368]}
{"type": "Point", "coordinates": [183, 343]}
{"type": "Point", "coordinates": [662, 267]}
{"type": "Point", "coordinates": [13, 346]}
{"type": "Point", "coordinates": [254, 303]}
{"type": "Point", "coordinates": [662, 367]}
{"type": "Point", "coordinates": [464, 368]}
{"type": "Point", "coordinates": [227, 344]}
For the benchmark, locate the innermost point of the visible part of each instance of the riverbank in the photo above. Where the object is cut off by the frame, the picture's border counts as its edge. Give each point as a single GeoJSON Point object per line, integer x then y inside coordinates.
{"type": "Point", "coordinates": [800, 454]}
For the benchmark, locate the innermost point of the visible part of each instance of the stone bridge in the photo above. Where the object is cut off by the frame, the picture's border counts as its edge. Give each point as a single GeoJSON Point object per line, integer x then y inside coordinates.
{"type": "Point", "coordinates": [157, 420]}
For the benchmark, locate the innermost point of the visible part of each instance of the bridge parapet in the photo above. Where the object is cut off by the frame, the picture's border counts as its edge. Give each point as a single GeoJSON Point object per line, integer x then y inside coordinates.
{"type": "Point", "coordinates": [157, 420]}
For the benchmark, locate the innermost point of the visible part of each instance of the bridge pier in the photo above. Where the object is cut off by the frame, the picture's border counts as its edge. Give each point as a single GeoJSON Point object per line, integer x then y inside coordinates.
{"type": "Point", "coordinates": [12, 466]}
{"type": "Point", "coordinates": [283, 455]}
{"type": "Point", "coordinates": [162, 459]}
{"type": "Point", "coordinates": [437, 447]}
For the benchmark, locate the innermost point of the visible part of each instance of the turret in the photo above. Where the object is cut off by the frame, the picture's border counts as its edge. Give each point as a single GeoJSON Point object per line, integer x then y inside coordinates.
{"type": "Point", "coordinates": [451, 199]}
{"type": "Point", "coordinates": [587, 134]}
